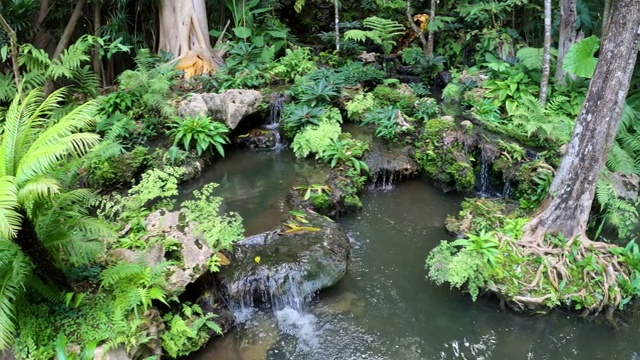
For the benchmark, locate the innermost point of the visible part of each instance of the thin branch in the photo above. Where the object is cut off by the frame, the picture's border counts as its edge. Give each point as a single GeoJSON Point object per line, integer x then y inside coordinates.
{"type": "Point", "coordinates": [13, 40]}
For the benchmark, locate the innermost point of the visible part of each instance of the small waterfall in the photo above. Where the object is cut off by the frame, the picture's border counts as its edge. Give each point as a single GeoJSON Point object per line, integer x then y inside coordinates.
{"type": "Point", "coordinates": [384, 179]}
{"type": "Point", "coordinates": [276, 109]}
{"type": "Point", "coordinates": [289, 300]}
{"type": "Point", "coordinates": [506, 190]}
{"type": "Point", "coordinates": [484, 174]}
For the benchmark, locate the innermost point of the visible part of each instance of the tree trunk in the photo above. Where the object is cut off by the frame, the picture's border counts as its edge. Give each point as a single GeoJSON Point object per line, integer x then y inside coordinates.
{"type": "Point", "coordinates": [606, 13]}
{"type": "Point", "coordinates": [566, 209]}
{"type": "Point", "coordinates": [68, 30]}
{"type": "Point", "coordinates": [432, 14]}
{"type": "Point", "coordinates": [97, 32]}
{"type": "Point", "coordinates": [13, 44]}
{"type": "Point", "coordinates": [568, 34]}
{"type": "Point", "coordinates": [44, 264]}
{"type": "Point", "coordinates": [418, 31]}
{"type": "Point", "coordinates": [336, 7]}
{"type": "Point", "coordinates": [546, 57]}
{"type": "Point", "coordinates": [184, 32]}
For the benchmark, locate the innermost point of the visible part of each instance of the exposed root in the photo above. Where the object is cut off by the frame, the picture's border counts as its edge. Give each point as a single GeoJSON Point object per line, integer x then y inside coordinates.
{"type": "Point", "coordinates": [601, 275]}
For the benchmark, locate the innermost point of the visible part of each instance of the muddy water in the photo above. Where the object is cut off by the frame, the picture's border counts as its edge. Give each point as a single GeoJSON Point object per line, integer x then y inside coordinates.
{"type": "Point", "coordinates": [385, 308]}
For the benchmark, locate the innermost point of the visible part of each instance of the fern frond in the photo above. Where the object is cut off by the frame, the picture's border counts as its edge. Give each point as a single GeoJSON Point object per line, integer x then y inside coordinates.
{"type": "Point", "coordinates": [114, 274]}
{"type": "Point", "coordinates": [14, 270]}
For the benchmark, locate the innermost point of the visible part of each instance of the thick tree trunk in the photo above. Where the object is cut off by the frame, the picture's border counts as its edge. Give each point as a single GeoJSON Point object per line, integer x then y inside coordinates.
{"type": "Point", "coordinates": [418, 31]}
{"type": "Point", "coordinates": [44, 265]}
{"type": "Point", "coordinates": [546, 57]}
{"type": "Point", "coordinates": [432, 14]}
{"type": "Point", "coordinates": [568, 34]}
{"type": "Point", "coordinates": [184, 32]}
{"type": "Point", "coordinates": [567, 207]}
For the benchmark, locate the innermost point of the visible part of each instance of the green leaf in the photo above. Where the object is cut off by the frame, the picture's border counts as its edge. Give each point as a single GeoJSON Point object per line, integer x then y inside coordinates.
{"type": "Point", "coordinates": [277, 34]}
{"type": "Point", "coordinates": [3, 52]}
{"type": "Point", "coordinates": [580, 59]}
{"type": "Point", "coordinates": [242, 32]}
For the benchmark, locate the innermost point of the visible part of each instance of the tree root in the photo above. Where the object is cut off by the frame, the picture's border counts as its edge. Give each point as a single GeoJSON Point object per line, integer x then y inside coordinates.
{"type": "Point", "coordinates": [601, 275]}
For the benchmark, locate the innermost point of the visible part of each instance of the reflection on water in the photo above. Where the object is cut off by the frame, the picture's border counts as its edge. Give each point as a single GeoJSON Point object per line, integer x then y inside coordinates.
{"type": "Point", "coordinates": [385, 308]}
{"type": "Point", "coordinates": [254, 184]}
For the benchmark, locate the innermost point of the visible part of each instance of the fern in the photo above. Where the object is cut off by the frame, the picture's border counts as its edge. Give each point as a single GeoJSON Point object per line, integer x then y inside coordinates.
{"type": "Point", "coordinates": [382, 31]}
{"type": "Point", "coordinates": [187, 332]}
{"type": "Point", "coordinates": [530, 117]}
{"type": "Point", "coordinates": [619, 213]}
{"type": "Point", "coordinates": [135, 286]}
{"type": "Point", "coordinates": [532, 58]}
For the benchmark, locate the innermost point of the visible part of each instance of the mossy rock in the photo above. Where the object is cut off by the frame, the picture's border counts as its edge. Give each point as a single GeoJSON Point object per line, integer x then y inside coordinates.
{"type": "Point", "coordinates": [311, 258]}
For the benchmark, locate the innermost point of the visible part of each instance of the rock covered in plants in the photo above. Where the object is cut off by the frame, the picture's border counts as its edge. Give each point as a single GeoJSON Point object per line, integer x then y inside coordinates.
{"type": "Point", "coordinates": [309, 254]}
{"type": "Point", "coordinates": [183, 244]}
{"type": "Point", "coordinates": [152, 348]}
{"type": "Point", "coordinates": [231, 107]}
{"type": "Point", "coordinates": [388, 163]}
{"type": "Point", "coordinates": [443, 154]}
{"type": "Point", "coordinates": [258, 139]}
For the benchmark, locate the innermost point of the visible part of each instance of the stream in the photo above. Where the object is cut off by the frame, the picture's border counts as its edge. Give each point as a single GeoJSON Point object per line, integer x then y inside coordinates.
{"type": "Point", "coordinates": [385, 308]}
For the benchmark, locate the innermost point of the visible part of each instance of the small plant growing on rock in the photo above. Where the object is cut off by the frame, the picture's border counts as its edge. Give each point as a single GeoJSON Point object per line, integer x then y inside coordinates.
{"type": "Point", "coordinates": [200, 131]}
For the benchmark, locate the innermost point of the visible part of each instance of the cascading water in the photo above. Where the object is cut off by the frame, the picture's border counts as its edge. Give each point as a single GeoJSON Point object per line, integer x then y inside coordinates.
{"type": "Point", "coordinates": [289, 302]}
{"type": "Point", "coordinates": [484, 174]}
{"type": "Point", "coordinates": [506, 190]}
{"type": "Point", "coordinates": [276, 109]}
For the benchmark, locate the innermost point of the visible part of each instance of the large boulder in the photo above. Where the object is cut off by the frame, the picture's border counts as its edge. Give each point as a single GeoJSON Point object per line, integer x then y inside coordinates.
{"type": "Point", "coordinates": [302, 260]}
{"type": "Point", "coordinates": [229, 107]}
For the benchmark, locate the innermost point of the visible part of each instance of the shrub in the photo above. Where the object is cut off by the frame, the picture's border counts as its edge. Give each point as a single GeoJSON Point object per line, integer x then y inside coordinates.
{"type": "Point", "coordinates": [315, 139]}
{"type": "Point", "coordinates": [204, 132]}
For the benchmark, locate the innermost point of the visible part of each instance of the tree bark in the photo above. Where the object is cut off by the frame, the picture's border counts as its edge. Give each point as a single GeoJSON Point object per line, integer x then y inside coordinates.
{"type": "Point", "coordinates": [336, 7]}
{"type": "Point", "coordinates": [418, 31]}
{"type": "Point", "coordinates": [568, 34]}
{"type": "Point", "coordinates": [566, 209]}
{"type": "Point", "coordinates": [546, 57]}
{"type": "Point", "coordinates": [432, 14]}
{"type": "Point", "coordinates": [96, 61]}
{"type": "Point", "coordinates": [13, 44]}
{"type": "Point", "coordinates": [184, 32]}
{"type": "Point", "coordinates": [606, 13]}
{"type": "Point", "coordinates": [44, 264]}
{"type": "Point", "coordinates": [68, 30]}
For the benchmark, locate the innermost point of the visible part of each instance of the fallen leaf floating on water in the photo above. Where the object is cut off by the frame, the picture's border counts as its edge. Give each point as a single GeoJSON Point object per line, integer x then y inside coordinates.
{"type": "Point", "coordinates": [257, 259]}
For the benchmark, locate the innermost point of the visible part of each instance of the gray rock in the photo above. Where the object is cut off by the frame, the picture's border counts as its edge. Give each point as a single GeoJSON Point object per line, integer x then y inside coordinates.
{"type": "Point", "coordinates": [229, 107]}
{"type": "Point", "coordinates": [625, 185]}
{"type": "Point", "coordinates": [118, 353]}
{"type": "Point", "coordinates": [194, 250]}
{"type": "Point", "coordinates": [274, 263]}
{"type": "Point", "coordinates": [388, 164]}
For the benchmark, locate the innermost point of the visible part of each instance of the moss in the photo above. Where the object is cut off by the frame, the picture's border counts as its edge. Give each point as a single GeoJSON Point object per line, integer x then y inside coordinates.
{"type": "Point", "coordinates": [441, 154]}
{"type": "Point", "coordinates": [352, 201]}
{"type": "Point", "coordinates": [463, 176]}
{"type": "Point", "coordinates": [481, 214]}
{"type": "Point", "coordinates": [321, 203]}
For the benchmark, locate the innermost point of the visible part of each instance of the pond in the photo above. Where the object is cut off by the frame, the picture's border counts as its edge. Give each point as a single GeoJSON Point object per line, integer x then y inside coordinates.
{"type": "Point", "coordinates": [385, 308]}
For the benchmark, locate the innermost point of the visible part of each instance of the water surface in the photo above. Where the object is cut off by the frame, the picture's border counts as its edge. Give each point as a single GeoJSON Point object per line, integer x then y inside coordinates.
{"type": "Point", "coordinates": [385, 308]}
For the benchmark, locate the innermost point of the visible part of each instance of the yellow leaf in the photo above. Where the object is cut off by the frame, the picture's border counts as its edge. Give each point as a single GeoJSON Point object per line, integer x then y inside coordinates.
{"type": "Point", "coordinates": [223, 260]}
{"type": "Point", "coordinates": [257, 259]}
